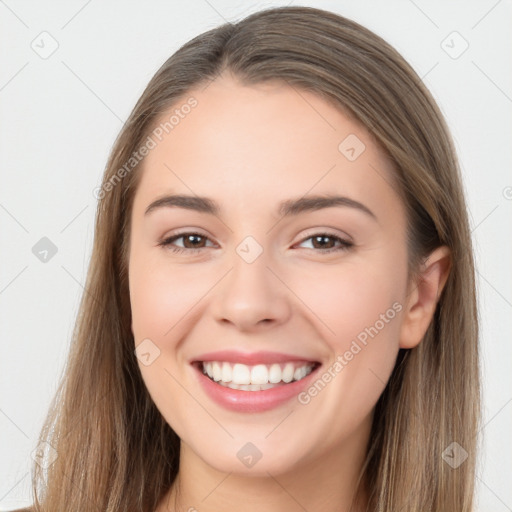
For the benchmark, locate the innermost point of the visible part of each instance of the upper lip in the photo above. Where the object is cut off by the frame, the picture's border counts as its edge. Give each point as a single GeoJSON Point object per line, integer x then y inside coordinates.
{"type": "Point", "coordinates": [250, 358]}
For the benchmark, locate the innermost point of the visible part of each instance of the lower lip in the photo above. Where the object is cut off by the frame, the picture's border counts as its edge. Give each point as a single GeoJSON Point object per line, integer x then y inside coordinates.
{"type": "Point", "coordinates": [252, 401]}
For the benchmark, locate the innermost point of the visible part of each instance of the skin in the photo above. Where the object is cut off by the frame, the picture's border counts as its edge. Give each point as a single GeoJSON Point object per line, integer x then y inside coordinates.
{"type": "Point", "coordinates": [249, 148]}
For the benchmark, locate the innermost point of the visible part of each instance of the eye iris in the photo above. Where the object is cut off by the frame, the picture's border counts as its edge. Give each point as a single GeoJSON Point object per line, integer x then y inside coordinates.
{"type": "Point", "coordinates": [189, 238]}
{"type": "Point", "coordinates": [323, 238]}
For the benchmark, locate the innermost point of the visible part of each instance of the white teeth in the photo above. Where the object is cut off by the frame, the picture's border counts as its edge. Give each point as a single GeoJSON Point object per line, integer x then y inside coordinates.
{"type": "Point", "coordinates": [259, 374]}
{"type": "Point", "coordinates": [227, 374]}
{"type": "Point", "coordinates": [241, 374]}
{"type": "Point", "coordinates": [288, 372]}
{"type": "Point", "coordinates": [255, 378]}
{"type": "Point", "coordinates": [274, 375]}
{"type": "Point", "coordinates": [217, 372]}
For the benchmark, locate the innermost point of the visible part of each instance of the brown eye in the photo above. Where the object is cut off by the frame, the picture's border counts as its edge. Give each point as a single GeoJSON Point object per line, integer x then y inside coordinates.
{"type": "Point", "coordinates": [191, 242]}
{"type": "Point", "coordinates": [327, 242]}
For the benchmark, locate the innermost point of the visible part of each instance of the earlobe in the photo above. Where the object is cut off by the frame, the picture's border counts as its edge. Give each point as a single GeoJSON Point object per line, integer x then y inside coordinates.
{"type": "Point", "coordinates": [423, 296]}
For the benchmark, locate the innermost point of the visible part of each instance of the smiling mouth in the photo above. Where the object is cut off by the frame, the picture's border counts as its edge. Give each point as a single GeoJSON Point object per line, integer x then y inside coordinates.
{"type": "Point", "coordinates": [257, 377]}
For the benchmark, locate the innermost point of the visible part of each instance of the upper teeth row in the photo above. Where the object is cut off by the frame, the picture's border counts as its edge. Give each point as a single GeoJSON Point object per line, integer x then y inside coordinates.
{"type": "Point", "coordinates": [239, 373]}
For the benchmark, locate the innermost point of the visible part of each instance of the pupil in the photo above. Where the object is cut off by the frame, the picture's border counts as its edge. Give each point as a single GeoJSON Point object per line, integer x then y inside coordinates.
{"type": "Point", "coordinates": [191, 238]}
{"type": "Point", "coordinates": [322, 240]}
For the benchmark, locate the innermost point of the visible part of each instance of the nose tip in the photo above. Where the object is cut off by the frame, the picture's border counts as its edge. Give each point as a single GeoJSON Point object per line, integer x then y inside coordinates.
{"type": "Point", "coordinates": [251, 297]}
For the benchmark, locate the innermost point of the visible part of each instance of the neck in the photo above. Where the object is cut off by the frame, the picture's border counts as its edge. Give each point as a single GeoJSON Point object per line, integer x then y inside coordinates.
{"type": "Point", "coordinates": [327, 483]}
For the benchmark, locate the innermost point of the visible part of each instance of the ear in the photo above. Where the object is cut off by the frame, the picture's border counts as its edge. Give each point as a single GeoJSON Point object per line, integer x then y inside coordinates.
{"type": "Point", "coordinates": [423, 295]}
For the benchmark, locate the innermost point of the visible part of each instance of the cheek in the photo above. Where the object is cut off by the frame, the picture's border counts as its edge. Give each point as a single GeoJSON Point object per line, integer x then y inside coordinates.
{"type": "Point", "coordinates": [360, 309]}
{"type": "Point", "coordinates": [349, 299]}
{"type": "Point", "coordinates": [164, 302]}
{"type": "Point", "coordinates": [163, 298]}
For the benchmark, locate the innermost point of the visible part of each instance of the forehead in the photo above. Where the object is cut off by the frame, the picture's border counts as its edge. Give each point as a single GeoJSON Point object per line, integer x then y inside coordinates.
{"type": "Point", "coordinates": [260, 143]}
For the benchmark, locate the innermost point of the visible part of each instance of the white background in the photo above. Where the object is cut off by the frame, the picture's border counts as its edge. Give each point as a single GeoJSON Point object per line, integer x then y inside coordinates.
{"type": "Point", "coordinates": [59, 118]}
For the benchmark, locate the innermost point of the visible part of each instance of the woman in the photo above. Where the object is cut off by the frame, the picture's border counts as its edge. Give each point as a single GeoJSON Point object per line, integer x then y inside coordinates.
{"type": "Point", "coordinates": [280, 310]}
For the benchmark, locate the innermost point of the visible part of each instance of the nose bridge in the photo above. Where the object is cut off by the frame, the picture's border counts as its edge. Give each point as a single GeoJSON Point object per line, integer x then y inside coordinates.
{"type": "Point", "coordinates": [251, 294]}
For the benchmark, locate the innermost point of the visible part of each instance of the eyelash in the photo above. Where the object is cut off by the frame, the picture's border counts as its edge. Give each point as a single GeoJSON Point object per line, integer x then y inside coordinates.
{"type": "Point", "coordinates": [345, 245]}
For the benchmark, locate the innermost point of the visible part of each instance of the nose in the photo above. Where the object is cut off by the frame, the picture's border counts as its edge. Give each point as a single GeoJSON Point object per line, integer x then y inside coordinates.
{"type": "Point", "coordinates": [251, 296]}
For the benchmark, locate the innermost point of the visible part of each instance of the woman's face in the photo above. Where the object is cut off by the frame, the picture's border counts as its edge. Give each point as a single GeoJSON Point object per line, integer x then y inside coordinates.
{"type": "Point", "coordinates": [266, 276]}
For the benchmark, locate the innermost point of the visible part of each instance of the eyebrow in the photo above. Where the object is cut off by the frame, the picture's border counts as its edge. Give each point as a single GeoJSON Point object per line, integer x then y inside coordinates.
{"type": "Point", "coordinates": [286, 208]}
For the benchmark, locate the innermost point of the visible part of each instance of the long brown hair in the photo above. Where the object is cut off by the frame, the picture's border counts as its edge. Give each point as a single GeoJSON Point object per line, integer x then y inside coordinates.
{"type": "Point", "coordinates": [114, 449]}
